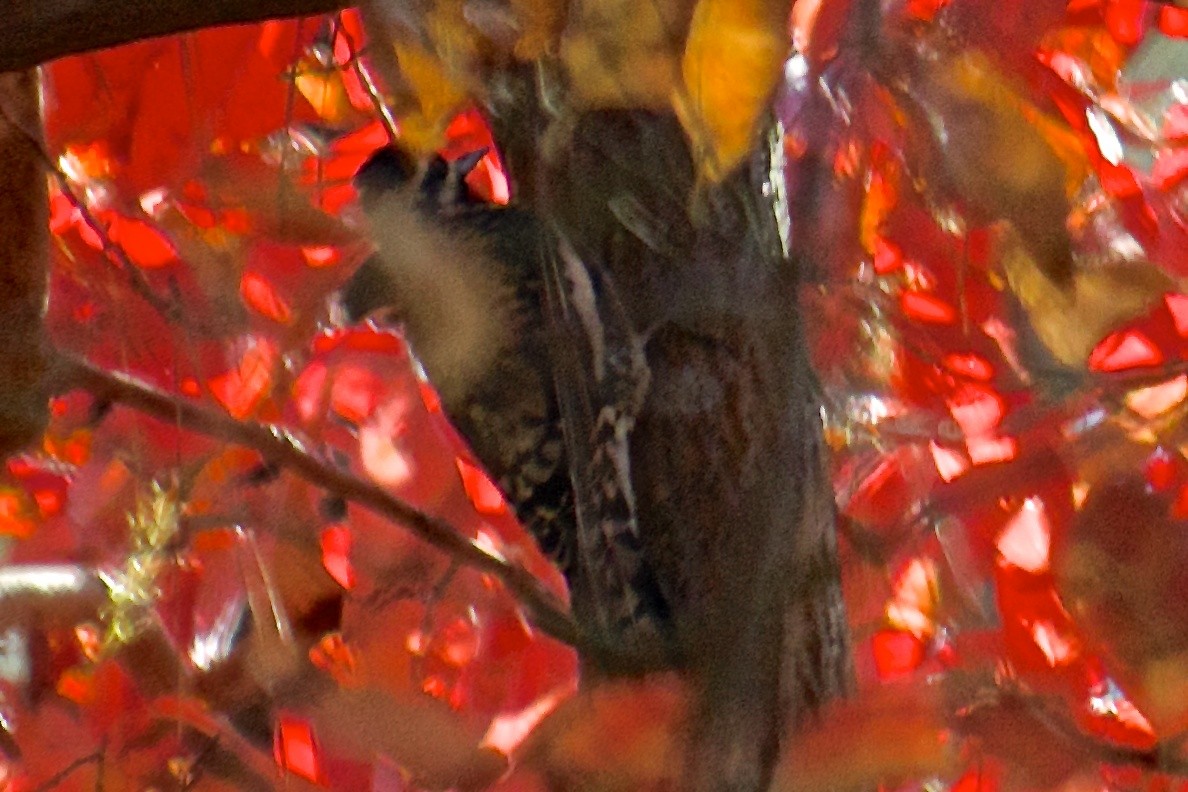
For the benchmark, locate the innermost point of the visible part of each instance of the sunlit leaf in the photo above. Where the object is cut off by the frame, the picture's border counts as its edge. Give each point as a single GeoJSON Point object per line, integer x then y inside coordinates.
{"type": "Point", "coordinates": [297, 749]}
{"type": "Point", "coordinates": [733, 57]}
{"type": "Point", "coordinates": [242, 389]}
{"type": "Point", "coordinates": [894, 732]}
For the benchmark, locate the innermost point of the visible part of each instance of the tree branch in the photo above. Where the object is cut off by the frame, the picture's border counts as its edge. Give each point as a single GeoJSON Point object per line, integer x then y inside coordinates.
{"type": "Point", "coordinates": [1164, 757]}
{"type": "Point", "coordinates": [277, 446]}
{"type": "Point", "coordinates": [35, 32]}
{"type": "Point", "coordinates": [24, 259]}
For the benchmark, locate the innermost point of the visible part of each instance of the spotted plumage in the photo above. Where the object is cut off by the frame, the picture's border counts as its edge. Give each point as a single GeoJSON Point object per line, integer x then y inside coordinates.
{"type": "Point", "coordinates": [465, 281]}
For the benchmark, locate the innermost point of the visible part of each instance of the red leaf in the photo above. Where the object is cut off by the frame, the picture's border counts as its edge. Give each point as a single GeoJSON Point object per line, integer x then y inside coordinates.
{"type": "Point", "coordinates": [976, 408]}
{"type": "Point", "coordinates": [1171, 166]}
{"type": "Point", "coordinates": [817, 27]}
{"type": "Point", "coordinates": [483, 493]}
{"type": "Point", "coordinates": [884, 495]}
{"type": "Point", "coordinates": [925, 10]}
{"type": "Point", "coordinates": [1173, 21]}
{"type": "Point", "coordinates": [1162, 469]}
{"type": "Point", "coordinates": [336, 555]}
{"type": "Point", "coordinates": [1118, 180]}
{"type": "Point", "coordinates": [296, 748]}
{"type": "Point", "coordinates": [1126, 20]}
{"type": "Point", "coordinates": [896, 653]}
{"type": "Point", "coordinates": [242, 389]}
{"type": "Point", "coordinates": [259, 295]}
{"type": "Point", "coordinates": [1024, 541]}
{"type": "Point", "coordinates": [950, 464]}
{"type": "Point", "coordinates": [969, 365]}
{"type": "Point", "coordinates": [355, 393]}
{"type": "Point", "coordinates": [887, 256]}
{"type": "Point", "coordinates": [1175, 123]}
{"type": "Point", "coordinates": [1124, 350]}
{"type": "Point", "coordinates": [144, 244]}
{"type": "Point", "coordinates": [926, 308]}
{"type": "Point", "coordinates": [469, 132]}
{"type": "Point", "coordinates": [985, 777]}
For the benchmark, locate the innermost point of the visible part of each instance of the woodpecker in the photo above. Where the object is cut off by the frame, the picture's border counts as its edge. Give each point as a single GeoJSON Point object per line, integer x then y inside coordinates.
{"type": "Point", "coordinates": [464, 279]}
{"type": "Point", "coordinates": [461, 278]}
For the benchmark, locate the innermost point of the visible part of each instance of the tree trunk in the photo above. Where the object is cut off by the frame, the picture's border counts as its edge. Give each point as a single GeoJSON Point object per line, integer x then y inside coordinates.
{"type": "Point", "coordinates": [727, 460]}
{"type": "Point", "coordinates": [24, 262]}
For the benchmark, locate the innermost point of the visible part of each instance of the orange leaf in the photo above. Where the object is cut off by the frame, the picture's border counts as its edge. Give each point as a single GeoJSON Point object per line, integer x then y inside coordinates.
{"type": "Point", "coordinates": [890, 733]}
{"type": "Point", "coordinates": [323, 87]}
{"type": "Point", "coordinates": [144, 244]}
{"type": "Point", "coordinates": [732, 62]}
{"type": "Point", "coordinates": [259, 294]}
{"type": "Point", "coordinates": [296, 749]}
{"type": "Point", "coordinates": [647, 718]}
{"type": "Point", "coordinates": [242, 389]}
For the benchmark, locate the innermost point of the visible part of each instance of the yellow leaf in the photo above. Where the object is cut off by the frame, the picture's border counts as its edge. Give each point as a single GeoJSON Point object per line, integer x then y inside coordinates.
{"type": "Point", "coordinates": [1071, 320]}
{"type": "Point", "coordinates": [623, 53]}
{"type": "Point", "coordinates": [323, 88]}
{"type": "Point", "coordinates": [732, 62]}
{"type": "Point", "coordinates": [620, 736]}
{"type": "Point", "coordinates": [541, 22]}
{"type": "Point", "coordinates": [890, 733]}
{"type": "Point", "coordinates": [439, 94]}
{"type": "Point", "coordinates": [436, 69]}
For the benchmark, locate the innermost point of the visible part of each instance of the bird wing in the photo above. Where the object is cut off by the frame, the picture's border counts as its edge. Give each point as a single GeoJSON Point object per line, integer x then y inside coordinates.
{"type": "Point", "coordinates": [602, 378]}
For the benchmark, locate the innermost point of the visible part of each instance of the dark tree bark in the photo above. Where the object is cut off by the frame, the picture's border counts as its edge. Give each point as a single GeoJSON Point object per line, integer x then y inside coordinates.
{"type": "Point", "coordinates": [734, 503]}
{"type": "Point", "coordinates": [24, 263]}
{"type": "Point", "coordinates": [34, 32]}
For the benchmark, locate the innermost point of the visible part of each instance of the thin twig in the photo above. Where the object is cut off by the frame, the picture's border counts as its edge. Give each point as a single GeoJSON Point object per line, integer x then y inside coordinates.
{"type": "Point", "coordinates": [218, 731]}
{"type": "Point", "coordinates": [171, 312]}
{"type": "Point", "coordinates": [276, 445]}
{"type": "Point", "coordinates": [365, 77]}
{"type": "Point", "coordinates": [59, 777]}
{"type": "Point", "coordinates": [140, 285]}
{"type": "Point", "coordinates": [1160, 758]}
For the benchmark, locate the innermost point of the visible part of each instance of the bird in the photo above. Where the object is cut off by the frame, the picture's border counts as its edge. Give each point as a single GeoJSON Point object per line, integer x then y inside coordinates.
{"type": "Point", "coordinates": [623, 362]}
{"type": "Point", "coordinates": [465, 281]}
{"type": "Point", "coordinates": [458, 275]}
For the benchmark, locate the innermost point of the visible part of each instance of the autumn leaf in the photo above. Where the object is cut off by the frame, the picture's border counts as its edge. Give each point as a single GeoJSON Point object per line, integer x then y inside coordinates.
{"type": "Point", "coordinates": [325, 88]}
{"type": "Point", "coordinates": [621, 736]}
{"type": "Point", "coordinates": [733, 58]}
{"type": "Point", "coordinates": [817, 26]}
{"type": "Point", "coordinates": [541, 22]}
{"type": "Point", "coordinates": [1072, 321]}
{"type": "Point", "coordinates": [997, 154]}
{"type": "Point", "coordinates": [435, 71]}
{"type": "Point", "coordinates": [624, 54]}
{"type": "Point", "coordinates": [891, 733]}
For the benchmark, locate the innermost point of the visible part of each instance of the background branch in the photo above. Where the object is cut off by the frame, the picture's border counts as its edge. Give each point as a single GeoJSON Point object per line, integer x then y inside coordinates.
{"type": "Point", "coordinates": [276, 446]}
{"type": "Point", "coordinates": [24, 259]}
{"type": "Point", "coordinates": [35, 32]}
{"type": "Point", "coordinates": [1019, 707]}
